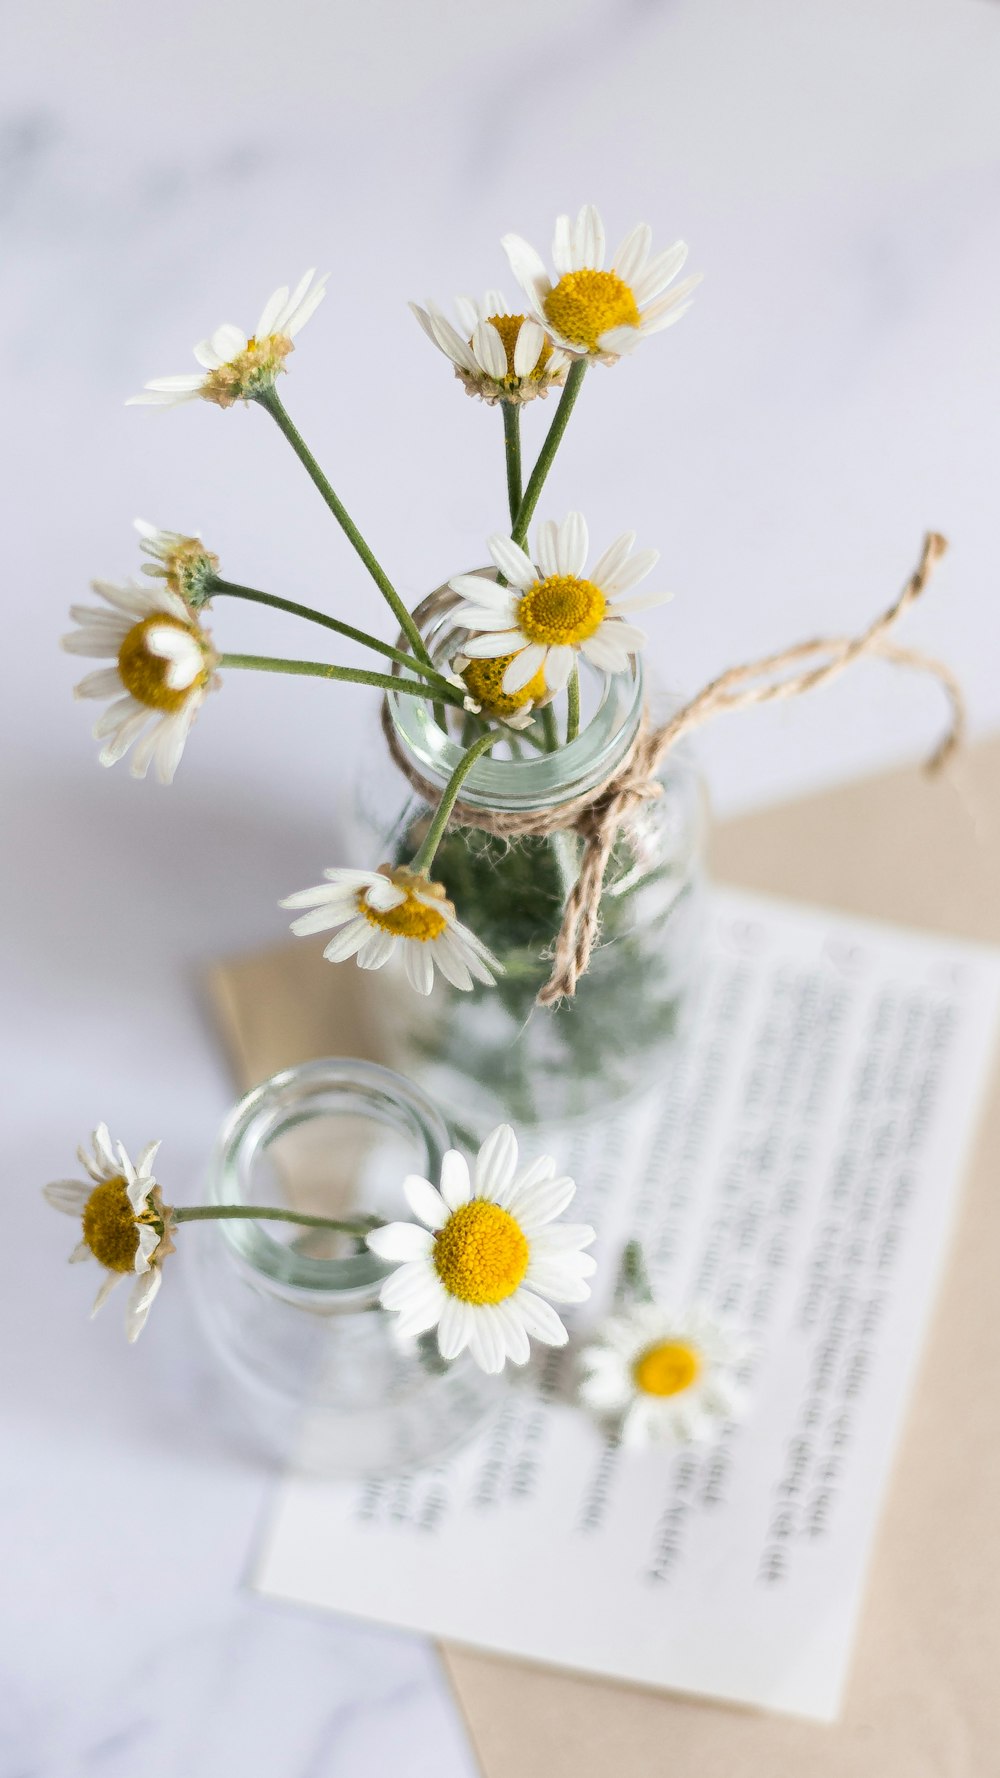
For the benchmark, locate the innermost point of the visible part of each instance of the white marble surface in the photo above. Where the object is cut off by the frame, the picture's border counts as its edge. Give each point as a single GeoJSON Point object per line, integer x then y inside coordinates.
{"type": "Point", "coordinates": [834, 391]}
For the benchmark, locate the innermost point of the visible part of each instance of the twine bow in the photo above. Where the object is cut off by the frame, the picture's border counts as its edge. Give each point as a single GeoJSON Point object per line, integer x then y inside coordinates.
{"type": "Point", "coordinates": [599, 815]}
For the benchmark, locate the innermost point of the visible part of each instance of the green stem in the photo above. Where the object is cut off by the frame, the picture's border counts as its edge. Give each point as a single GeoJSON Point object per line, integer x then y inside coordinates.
{"type": "Point", "coordinates": [553, 437]}
{"type": "Point", "coordinates": [270, 400]}
{"type": "Point", "coordinates": [549, 729]}
{"type": "Point", "coordinates": [267, 663]}
{"type": "Point", "coordinates": [573, 706]}
{"type": "Point", "coordinates": [633, 1280]}
{"type": "Point", "coordinates": [512, 446]}
{"type": "Point", "coordinates": [432, 839]}
{"type": "Point", "coordinates": [231, 590]}
{"type": "Point", "coordinates": [361, 1225]}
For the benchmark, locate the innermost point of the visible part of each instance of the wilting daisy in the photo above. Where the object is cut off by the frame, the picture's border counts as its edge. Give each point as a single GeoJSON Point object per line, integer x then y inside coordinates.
{"type": "Point", "coordinates": [126, 1225]}
{"type": "Point", "coordinates": [376, 911]}
{"type": "Point", "coordinates": [546, 614]}
{"type": "Point", "coordinates": [183, 562]}
{"type": "Point", "coordinates": [663, 1378]}
{"type": "Point", "coordinates": [164, 665]}
{"type": "Point", "coordinates": [238, 367]}
{"type": "Point", "coordinates": [594, 313]}
{"type": "Point", "coordinates": [483, 680]}
{"type": "Point", "coordinates": [497, 355]}
{"type": "Point", "coordinates": [488, 1253]}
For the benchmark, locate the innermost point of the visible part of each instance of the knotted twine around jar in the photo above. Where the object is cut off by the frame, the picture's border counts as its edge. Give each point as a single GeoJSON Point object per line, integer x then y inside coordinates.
{"type": "Point", "coordinates": [599, 813]}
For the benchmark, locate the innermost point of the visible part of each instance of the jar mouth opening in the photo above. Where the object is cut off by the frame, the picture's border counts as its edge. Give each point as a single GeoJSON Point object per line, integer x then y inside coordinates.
{"type": "Point", "coordinates": [383, 1127]}
{"type": "Point", "coordinates": [612, 706]}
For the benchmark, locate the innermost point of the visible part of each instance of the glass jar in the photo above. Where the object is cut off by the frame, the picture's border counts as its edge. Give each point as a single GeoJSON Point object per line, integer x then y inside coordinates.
{"type": "Point", "coordinates": [323, 1381]}
{"type": "Point", "coordinates": [493, 1053]}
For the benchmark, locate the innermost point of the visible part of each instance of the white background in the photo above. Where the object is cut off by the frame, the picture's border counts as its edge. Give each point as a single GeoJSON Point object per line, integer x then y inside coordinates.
{"type": "Point", "coordinates": [834, 391]}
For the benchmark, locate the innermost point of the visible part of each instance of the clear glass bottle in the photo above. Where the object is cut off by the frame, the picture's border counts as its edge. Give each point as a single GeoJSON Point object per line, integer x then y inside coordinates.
{"type": "Point", "coordinates": [321, 1379]}
{"type": "Point", "coordinates": [493, 1053]}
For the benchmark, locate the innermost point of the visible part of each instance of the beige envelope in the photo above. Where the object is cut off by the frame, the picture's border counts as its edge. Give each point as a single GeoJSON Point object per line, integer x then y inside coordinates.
{"type": "Point", "coordinates": [924, 1696]}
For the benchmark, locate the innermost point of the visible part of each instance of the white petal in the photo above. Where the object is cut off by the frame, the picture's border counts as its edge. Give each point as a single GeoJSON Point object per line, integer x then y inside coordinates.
{"type": "Point", "coordinates": [573, 544]}
{"type": "Point", "coordinates": [496, 1164]}
{"type": "Point", "coordinates": [383, 896]}
{"type": "Point", "coordinates": [527, 268]}
{"type": "Point", "coordinates": [485, 617]}
{"type": "Point", "coordinates": [401, 1241]}
{"type": "Point", "coordinates": [80, 1251]}
{"type": "Point", "coordinates": [377, 949]}
{"type": "Point", "coordinates": [303, 311]}
{"type": "Point", "coordinates": [451, 343]}
{"type": "Point", "coordinates": [492, 643]}
{"type": "Point", "coordinates": [140, 1301]}
{"type": "Point", "coordinates": [631, 256]}
{"type": "Point", "coordinates": [325, 918]}
{"type": "Point", "coordinates": [639, 602]}
{"type": "Point", "coordinates": [412, 1284]}
{"type": "Point", "coordinates": [489, 349]}
{"type": "Point", "coordinates": [620, 340]}
{"type": "Point", "coordinates": [604, 652]}
{"type": "Point", "coordinates": [469, 314]}
{"type": "Point", "coordinates": [539, 1318]}
{"type": "Point", "coordinates": [186, 382]}
{"type": "Point", "coordinates": [449, 960]}
{"type": "Point", "coordinates": [614, 558]}
{"type": "Point", "coordinates": [560, 1282]}
{"type": "Point", "coordinates": [228, 342]}
{"type": "Point", "coordinates": [562, 246]}
{"type": "Point", "coordinates": [479, 589]}
{"type": "Point", "coordinates": [270, 312]}
{"type": "Point", "coordinates": [559, 664]}
{"type": "Point", "coordinates": [523, 667]}
{"type": "Point", "coordinates": [454, 1327]}
{"type": "Point", "coordinates": [67, 1195]}
{"type": "Point", "coordinates": [149, 1241]}
{"type": "Point", "coordinates": [528, 347]}
{"type": "Point", "coordinates": [105, 683]}
{"type": "Point", "coordinates": [657, 273]}
{"type": "Point", "coordinates": [512, 562]}
{"type": "Point", "coordinates": [629, 573]}
{"type": "Point", "coordinates": [588, 239]}
{"type": "Point", "coordinates": [515, 1334]}
{"type": "Point", "coordinates": [562, 1237]}
{"type": "Point", "coordinates": [547, 547]}
{"type": "Point", "coordinates": [541, 1202]}
{"type": "Point", "coordinates": [347, 942]}
{"type": "Point", "coordinates": [425, 1201]}
{"type": "Point", "coordinates": [418, 962]}
{"type": "Point", "coordinates": [486, 1341]}
{"type": "Point", "coordinates": [456, 1186]}
{"type": "Point", "coordinates": [105, 1291]}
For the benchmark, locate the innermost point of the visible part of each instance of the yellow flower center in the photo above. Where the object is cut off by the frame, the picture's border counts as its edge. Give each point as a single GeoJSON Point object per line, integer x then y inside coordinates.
{"type": "Point", "coordinates": [508, 327]}
{"type": "Point", "coordinates": [562, 609]}
{"type": "Point", "coordinates": [251, 371]}
{"type": "Point", "coordinates": [144, 673]}
{"type": "Point", "coordinates": [481, 1254]}
{"type": "Point", "coordinates": [485, 681]}
{"type": "Point", "coordinates": [666, 1369]}
{"type": "Point", "coordinates": [109, 1226]}
{"type": "Point", "coordinates": [585, 304]}
{"type": "Point", "coordinates": [411, 918]}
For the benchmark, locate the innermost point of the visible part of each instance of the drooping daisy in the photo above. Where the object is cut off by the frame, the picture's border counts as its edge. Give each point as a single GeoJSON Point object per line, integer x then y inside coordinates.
{"type": "Point", "coordinates": [593, 313]}
{"type": "Point", "coordinates": [498, 356]}
{"type": "Point", "coordinates": [663, 1378]}
{"type": "Point", "coordinates": [238, 367]}
{"type": "Point", "coordinates": [183, 562]}
{"type": "Point", "coordinates": [484, 681]}
{"type": "Point", "coordinates": [487, 1255]}
{"type": "Point", "coordinates": [126, 1225]}
{"type": "Point", "coordinates": [546, 614]}
{"type": "Point", "coordinates": [375, 911]}
{"type": "Point", "coordinates": [164, 666]}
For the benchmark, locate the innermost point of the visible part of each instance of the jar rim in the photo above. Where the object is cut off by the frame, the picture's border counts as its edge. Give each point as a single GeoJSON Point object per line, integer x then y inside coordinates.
{"type": "Point", "coordinates": [294, 1096]}
{"type": "Point", "coordinates": [537, 781]}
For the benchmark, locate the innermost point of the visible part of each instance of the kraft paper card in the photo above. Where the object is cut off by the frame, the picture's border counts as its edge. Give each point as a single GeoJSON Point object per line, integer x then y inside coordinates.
{"type": "Point", "coordinates": [889, 846]}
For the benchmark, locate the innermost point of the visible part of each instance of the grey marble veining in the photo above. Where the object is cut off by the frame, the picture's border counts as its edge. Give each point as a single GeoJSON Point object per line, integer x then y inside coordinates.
{"type": "Point", "coordinates": [834, 391]}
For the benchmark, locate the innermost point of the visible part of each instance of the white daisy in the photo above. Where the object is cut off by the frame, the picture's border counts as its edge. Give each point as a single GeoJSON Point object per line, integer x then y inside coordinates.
{"type": "Point", "coordinates": [663, 1378]}
{"type": "Point", "coordinates": [377, 910]}
{"type": "Point", "coordinates": [498, 355]}
{"type": "Point", "coordinates": [487, 1255]}
{"type": "Point", "coordinates": [593, 313]}
{"type": "Point", "coordinates": [126, 1225]}
{"type": "Point", "coordinates": [164, 666]}
{"type": "Point", "coordinates": [183, 562]}
{"type": "Point", "coordinates": [546, 614]}
{"type": "Point", "coordinates": [238, 367]}
{"type": "Point", "coordinates": [483, 680]}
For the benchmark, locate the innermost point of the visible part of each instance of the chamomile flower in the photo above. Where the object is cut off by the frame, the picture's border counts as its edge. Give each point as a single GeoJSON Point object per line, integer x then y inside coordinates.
{"type": "Point", "coordinates": [126, 1225]}
{"type": "Point", "coordinates": [486, 1254]}
{"type": "Point", "coordinates": [164, 665]}
{"type": "Point", "coordinates": [483, 681]}
{"type": "Point", "coordinates": [238, 367]}
{"type": "Point", "coordinates": [183, 562]}
{"type": "Point", "coordinates": [498, 356]}
{"type": "Point", "coordinates": [376, 912]}
{"type": "Point", "coordinates": [546, 615]}
{"type": "Point", "coordinates": [663, 1378]}
{"type": "Point", "coordinates": [593, 313]}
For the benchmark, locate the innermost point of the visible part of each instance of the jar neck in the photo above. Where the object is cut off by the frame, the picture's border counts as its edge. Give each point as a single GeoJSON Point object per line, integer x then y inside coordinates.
{"type": "Point", "coordinates": [333, 1137]}
{"type": "Point", "coordinates": [612, 706]}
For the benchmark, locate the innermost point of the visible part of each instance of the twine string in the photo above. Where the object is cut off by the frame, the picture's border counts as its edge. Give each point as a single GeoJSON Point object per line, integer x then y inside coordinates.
{"type": "Point", "coordinates": [598, 814]}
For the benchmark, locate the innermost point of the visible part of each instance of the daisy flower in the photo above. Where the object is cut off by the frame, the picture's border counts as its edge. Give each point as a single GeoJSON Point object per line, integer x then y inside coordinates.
{"type": "Point", "coordinates": [164, 664]}
{"type": "Point", "coordinates": [126, 1225]}
{"type": "Point", "coordinates": [235, 367]}
{"type": "Point", "coordinates": [663, 1378]}
{"type": "Point", "coordinates": [486, 1255]}
{"type": "Point", "coordinates": [497, 355]}
{"type": "Point", "coordinates": [483, 680]}
{"type": "Point", "coordinates": [545, 615]}
{"type": "Point", "coordinates": [183, 562]}
{"type": "Point", "coordinates": [593, 313]}
{"type": "Point", "coordinates": [376, 911]}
